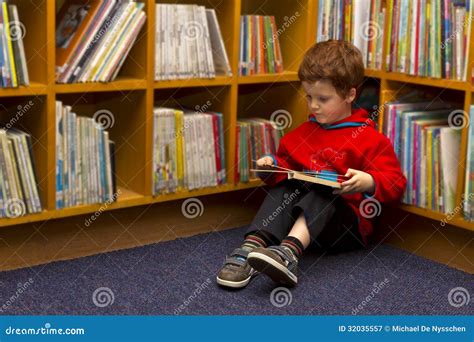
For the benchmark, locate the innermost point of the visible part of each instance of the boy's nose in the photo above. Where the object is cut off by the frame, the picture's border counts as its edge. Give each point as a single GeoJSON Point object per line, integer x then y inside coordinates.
{"type": "Point", "coordinates": [314, 107]}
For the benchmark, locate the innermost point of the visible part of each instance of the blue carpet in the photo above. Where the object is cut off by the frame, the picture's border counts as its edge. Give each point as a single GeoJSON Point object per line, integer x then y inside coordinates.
{"type": "Point", "coordinates": [178, 277]}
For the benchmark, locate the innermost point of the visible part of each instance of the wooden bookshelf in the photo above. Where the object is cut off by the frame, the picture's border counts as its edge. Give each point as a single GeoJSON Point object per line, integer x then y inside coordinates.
{"type": "Point", "coordinates": [132, 97]}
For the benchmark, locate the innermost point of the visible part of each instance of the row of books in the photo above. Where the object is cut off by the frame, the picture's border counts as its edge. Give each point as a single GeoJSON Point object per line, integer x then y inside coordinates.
{"type": "Point", "coordinates": [188, 43]}
{"type": "Point", "coordinates": [13, 68]}
{"type": "Point", "coordinates": [427, 142]}
{"type": "Point", "coordinates": [18, 181]}
{"type": "Point", "coordinates": [255, 138]}
{"type": "Point", "coordinates": [260, 50]}
{"type": "Point", "coordinates": [468, 202]}
{"type": "Point", "coordinates": [93, 38]}
{"type": "Point", "coordinates": [188, 150]}
{"type": "Point", "coordinates": [425, 38]}
{"type": "Point", "coordinates": [361, 22]}
{"type": "Point", "coordinates": [429, 38]}
{"type": "Point", "coordinates": [85, 160]}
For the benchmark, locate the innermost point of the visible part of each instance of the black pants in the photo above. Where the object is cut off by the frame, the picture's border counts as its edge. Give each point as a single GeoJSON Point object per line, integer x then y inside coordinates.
{"type": "Point", "coordinates": [332, 224]}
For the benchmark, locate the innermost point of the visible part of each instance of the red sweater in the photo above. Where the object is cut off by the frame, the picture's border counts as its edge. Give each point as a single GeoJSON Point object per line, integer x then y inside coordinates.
{"type": "Point", "coordinates": [353, 143]}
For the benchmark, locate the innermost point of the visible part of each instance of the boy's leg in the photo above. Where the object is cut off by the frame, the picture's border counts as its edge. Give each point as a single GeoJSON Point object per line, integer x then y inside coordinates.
{"type": "Point", "coordinates": [280, 262]}
{"type": "Point", "coordinates": [276, 217]}
{"type": "Point", "coordinates": [341, 234]}
{"type": "Point", "coordinates": [324, 218]}
{"type": "Point", "coordinates": [269, 227]}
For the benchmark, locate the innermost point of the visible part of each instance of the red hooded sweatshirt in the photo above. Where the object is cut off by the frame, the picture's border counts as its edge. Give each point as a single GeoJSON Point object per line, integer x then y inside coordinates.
{"type": "Point", "coordinates": [331, 149]}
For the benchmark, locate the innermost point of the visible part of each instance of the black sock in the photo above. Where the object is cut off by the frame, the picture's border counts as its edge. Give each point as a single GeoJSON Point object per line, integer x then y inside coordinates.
{"type": "Point", "coordinates": [259, 239]}
{"type": "Point", "coordinates": [294, 245]}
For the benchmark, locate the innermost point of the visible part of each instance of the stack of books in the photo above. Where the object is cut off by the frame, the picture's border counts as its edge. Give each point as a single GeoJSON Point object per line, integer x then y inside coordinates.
{"type": "Point", "coordinates": [429, 38]}
{"type": "Point", "coordinates": [85, 160]}
{"type": "Point", "coordinates": [468, 202]}
{"type": "Point", "coordinates": [427, 141]}
{"type": "Point", "coordinates": [93, 38]}
{"type": "Point", "coordinates": [360, 22]}
{"type": "Point", "coordinates": [188, 43]}
{"type": "Point", "coordinates": [18, 181]}
{"type": "Point", "coordinates": [188, 150]}
{"type": "Point", "coordinates": [260, 51]}
{"type": "Point", "coordinates": [256, 137]}
{"type": "Point", "coordinates": [13, 68]}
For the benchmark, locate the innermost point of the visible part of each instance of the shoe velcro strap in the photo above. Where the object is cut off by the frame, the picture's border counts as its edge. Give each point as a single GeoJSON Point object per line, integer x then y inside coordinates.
{"type": "Point", "coordinates": [233, 258]}
{"type": "Point", "coordinates": [234, 261]}
{"type": "Point", "coordinates": [282, 253]}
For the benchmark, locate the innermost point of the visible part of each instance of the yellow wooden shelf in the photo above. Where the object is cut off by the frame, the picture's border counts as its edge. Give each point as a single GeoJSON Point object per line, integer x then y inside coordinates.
{"type": "Point", "coordinates": [426, 81]}
{"type": "Point", "coordinates": [438, 216]}
{"type": "Point", "coordinates": [125, 199]}
{"type": "Point", "coordinates": [121, 84]}
{"type": "Point", "coordinates": [374, 73]}
{"type": "Point", "coordinates": [194, 82]}
{"type": "Point", "coordinates": [206, 191]}
{"type": "Point", "coordinates": [32, 90]}
{"type": "Point", "coordinates": [133, 129]}
{"type": "Point", "coordinates": [286, 76]}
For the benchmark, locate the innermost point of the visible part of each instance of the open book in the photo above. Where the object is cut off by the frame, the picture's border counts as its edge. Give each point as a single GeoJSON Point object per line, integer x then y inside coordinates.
{"type": "Point", "coordinates": [312, 177]}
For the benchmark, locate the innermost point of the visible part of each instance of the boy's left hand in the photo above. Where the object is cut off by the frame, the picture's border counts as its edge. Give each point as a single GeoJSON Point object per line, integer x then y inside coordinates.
{"type": "Point", "coordinates": [359, 181]}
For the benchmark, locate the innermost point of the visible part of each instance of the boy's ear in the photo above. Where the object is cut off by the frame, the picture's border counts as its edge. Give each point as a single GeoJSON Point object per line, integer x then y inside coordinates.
{"type": "Point", "coordinates": [351, 96]}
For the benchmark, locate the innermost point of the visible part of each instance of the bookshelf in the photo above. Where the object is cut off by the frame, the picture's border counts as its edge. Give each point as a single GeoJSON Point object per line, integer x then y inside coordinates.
{"type": "Point", "coordinates": [133, 95]}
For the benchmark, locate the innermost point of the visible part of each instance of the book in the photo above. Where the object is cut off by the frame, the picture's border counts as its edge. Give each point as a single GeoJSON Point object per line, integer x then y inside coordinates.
{"type": "Point", "coordinates": [19, 193]}
{"type": "Point", "coordinates": [84, 160]}
{"type": "Point", "coordinates": [360, 22]}
{"type": "Point", "coordinates": [94, 38]}
{"type": "Point", "coordinates": [260, 50]}
{"type": "Point", "coordinates": [188, 150]}
{"type": "Point", "coordinates": [189, 43]}
{"type": "Point", "coordinates": [73, 20]}
{"type": "Point", "coordinates": [256, 137]}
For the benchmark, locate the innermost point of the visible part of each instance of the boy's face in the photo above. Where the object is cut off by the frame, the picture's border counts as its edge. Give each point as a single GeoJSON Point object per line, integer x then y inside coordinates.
{"type": "Point", "coordinates": [325, 103]}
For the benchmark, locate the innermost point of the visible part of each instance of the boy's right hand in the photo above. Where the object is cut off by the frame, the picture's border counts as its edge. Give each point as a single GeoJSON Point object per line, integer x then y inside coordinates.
{"type": "Point", "coordinates": [265, 163]}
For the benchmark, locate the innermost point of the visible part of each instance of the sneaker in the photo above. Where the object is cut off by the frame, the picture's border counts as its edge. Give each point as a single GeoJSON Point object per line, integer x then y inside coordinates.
{"type": "Point", "coordinates": [236, 271]}
{"type": "Point", "coordinates": [276, 262]}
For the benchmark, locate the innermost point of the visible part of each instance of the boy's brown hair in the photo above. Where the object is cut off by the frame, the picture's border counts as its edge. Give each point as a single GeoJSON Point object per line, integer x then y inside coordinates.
{"type": "Point", "coordinates": [335, 60]}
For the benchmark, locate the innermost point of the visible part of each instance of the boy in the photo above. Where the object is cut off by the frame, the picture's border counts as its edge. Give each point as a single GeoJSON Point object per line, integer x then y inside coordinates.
{"type": "Point", "coordinates": [336, 140]}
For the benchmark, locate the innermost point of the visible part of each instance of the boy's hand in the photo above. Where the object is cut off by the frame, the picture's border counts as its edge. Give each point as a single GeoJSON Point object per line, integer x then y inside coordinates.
{"type": "Point", "coordinates": [359, 181]}
{"type": "Point", "coordinates": [265, 162]}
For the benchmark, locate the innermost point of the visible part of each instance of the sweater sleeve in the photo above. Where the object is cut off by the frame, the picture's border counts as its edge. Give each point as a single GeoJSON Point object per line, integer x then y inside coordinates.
{"type": "Point", "coordinates": [282, 159]}
{"type": "Point", "coordinates": [382, 164]}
